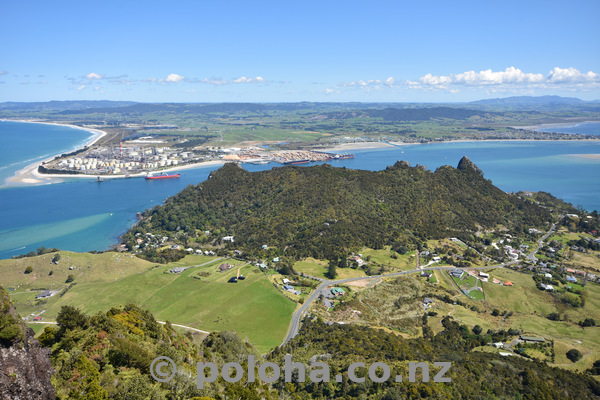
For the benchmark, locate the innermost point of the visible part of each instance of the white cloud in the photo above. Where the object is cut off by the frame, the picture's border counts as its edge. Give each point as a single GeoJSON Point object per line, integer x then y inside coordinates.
{"type": "Point", "coordinates": [214, 81]}
{"type": "Point", "coordinates": [243, 79]}
{"type": "Point", "coordinates": [571, 75]}
{"type": "Point", "coordinates": [93, 75]}
{"type": "Point", "coordinates": [81, 87]}
{"type": "Point", "coordinates": [509, 77]}
{"type": "Point", "coordinates": [174, 78]}
{"type": "Point", "coordinates": [235, 81]}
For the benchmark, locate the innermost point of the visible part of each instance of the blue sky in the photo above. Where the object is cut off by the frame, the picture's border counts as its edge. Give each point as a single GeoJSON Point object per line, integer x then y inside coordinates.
{"type": "Point", "coordinates": [277, 51]}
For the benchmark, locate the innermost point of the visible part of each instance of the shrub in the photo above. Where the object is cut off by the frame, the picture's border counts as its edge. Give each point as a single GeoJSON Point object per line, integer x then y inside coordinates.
{"type": "Point", "coordinates": [554, 316]}
{"type": "Point", "coordinates": [10, 333]}
{"type": "Point", "coordinates": [28, 270]}
{"type": "Point", "coordinates": [574, 355]}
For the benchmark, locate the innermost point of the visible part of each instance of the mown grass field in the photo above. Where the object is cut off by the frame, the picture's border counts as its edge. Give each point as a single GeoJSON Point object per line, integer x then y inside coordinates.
{"type": "Point", "coordinates": [252, 307]}
{"type": "Point", "coordinates": [318, 268]}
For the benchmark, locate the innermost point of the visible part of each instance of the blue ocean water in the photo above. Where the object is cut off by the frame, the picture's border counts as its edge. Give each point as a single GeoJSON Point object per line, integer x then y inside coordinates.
{"type": "Point", "coordinates": [81, 215]}
{"type": "Point", "coordinates": [25, 143]}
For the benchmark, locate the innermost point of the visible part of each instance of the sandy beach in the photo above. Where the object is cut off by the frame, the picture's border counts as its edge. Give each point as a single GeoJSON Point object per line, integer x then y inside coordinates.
{"type": "Point", "coordinates": [592, 156]}
{"type": "Point", "coordinates": [356, 146]}
{"type": "Point", "coordinates": [30, 175]}
{"type": "Point", "coordinates": [550, 126]}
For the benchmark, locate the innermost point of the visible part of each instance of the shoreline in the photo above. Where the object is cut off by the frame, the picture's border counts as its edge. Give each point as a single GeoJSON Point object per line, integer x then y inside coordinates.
{"type": "Point", "coordinates": [29, 175]}
{"type": "Point", "coordinates": [554, 125]}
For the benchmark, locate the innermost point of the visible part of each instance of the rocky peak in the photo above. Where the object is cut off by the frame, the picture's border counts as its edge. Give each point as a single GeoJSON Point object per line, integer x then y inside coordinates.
{"type": "Point", "coordinates": [466, 164]}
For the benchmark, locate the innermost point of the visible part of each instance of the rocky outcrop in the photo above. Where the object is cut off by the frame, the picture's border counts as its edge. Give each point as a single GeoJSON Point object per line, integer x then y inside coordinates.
{"type": "Point", "coordinates": [25, 366]}
{"type": "Point", "coordinates": [466, 164]}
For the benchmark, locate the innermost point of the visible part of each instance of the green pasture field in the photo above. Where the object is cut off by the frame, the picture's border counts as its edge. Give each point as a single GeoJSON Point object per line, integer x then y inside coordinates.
{"type": "Point", "coordinates": [252, 307]}
{"type": "Point", "coordinates": [87, 267]}
{"type": "Point", "coordinates": [530, 307]}
{"type": "Point", "coordinates": [318, 268]}
{"type": "Point", "coordinates": [383, 257]}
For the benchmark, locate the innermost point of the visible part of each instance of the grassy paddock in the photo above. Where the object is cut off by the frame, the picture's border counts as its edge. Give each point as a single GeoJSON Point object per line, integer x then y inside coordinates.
{"type": "Point", "coordinates": [199, 297]}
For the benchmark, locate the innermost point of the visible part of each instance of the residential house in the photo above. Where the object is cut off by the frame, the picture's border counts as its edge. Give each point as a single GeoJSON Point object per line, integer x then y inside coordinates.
{"type": "Point", "coordinates": [531, 339]}
{"type": "Point", "coordinates": [44, 294]}
{"type": "Point", "coordinates": [225, 267]}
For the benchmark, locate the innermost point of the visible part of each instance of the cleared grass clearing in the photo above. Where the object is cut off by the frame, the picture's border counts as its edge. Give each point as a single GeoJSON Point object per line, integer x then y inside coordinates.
{"type": "Point", "coordinates": [318, 268]}
{"type": "Point", "coordinates": [199, 297]}
{"type": "Point", "coordinates": [85, 267]}
{"type": "Point", "coordinates": [384, 257]}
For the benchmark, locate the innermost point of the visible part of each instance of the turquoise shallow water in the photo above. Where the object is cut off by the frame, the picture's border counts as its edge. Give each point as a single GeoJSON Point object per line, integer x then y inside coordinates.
{"type": "Point", "coordinates": [83, 215]}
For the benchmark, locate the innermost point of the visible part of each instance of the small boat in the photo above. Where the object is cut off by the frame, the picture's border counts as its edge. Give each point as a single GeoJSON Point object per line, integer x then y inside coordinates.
{"type": "Point", "coordinates": [163, 176]}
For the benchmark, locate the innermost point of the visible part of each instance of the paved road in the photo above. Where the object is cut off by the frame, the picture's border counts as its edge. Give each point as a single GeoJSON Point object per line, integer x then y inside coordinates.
{"type": "Point", "coordinates": [299, 313]}
{"type": "Point", "coordinates": [531, 256]}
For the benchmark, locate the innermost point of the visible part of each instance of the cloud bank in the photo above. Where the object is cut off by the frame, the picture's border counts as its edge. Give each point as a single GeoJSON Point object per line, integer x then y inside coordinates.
{"type": "Point", "coordinates": [557, 77]}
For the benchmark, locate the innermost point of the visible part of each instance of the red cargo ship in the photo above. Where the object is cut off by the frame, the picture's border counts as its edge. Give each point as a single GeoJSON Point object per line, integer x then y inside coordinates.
{"type": "Point", "coordinates": [172, 176]}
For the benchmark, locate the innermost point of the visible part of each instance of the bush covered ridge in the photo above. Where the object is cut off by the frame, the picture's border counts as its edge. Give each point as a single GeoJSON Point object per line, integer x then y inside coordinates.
{"type": "Point", "coordinates": [322, 211]}
{"type": "Point", "coordinates": [108, 355]}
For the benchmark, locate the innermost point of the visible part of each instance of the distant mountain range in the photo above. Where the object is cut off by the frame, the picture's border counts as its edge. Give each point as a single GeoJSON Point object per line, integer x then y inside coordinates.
{"type": "Point", "coordinates": [56, 105]}
{"type": "Point", "coordinates": [531, 100]}
{"type": "Point", "coordinates": [133, 106]}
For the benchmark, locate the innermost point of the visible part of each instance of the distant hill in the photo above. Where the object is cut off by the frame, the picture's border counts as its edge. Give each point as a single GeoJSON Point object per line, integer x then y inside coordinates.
{"type": "Point", "coordinates": [63, 105]}
{"type": "Point", "coordinates": [322, 211]}
{"type": "Point", "coordinates": [206, 108]}
{"type": "Point", "coordinates": [530, 100]}
{"type": "Point", "coordinates": [423, 114]}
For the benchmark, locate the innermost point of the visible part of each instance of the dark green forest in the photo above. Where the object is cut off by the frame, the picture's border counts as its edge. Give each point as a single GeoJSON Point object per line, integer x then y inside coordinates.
{"type": "Point", "coordinates": [325, 212]}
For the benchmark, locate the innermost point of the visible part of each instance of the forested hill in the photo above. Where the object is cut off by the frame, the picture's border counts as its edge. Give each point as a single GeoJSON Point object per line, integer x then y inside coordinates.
{"type": "Point", "coordinates": [322, 211]}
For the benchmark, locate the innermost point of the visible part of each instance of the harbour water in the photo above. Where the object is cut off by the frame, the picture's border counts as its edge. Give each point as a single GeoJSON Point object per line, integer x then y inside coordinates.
{"type": "Point", "coordinates": [81, 215]}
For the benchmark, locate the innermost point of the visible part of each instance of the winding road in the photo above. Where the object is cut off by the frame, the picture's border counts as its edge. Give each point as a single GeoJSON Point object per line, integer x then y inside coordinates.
{"type": "Point", "coordinates": [299, 313]}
